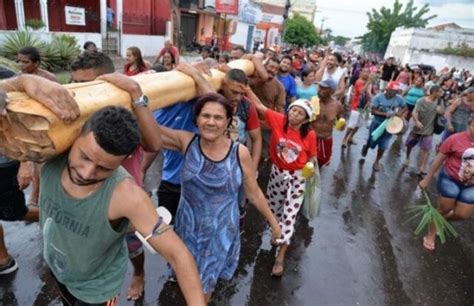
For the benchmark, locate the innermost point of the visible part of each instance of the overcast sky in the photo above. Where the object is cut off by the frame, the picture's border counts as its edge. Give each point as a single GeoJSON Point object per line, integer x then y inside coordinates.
{"type": "Point", "coordinates": [349, 18]}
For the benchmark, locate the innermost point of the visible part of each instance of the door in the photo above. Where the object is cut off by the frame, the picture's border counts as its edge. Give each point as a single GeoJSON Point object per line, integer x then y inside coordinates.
{"type": "Point", "coordinates": [188, 28]}
{"type": "Point", "coordinates": [250, 38]}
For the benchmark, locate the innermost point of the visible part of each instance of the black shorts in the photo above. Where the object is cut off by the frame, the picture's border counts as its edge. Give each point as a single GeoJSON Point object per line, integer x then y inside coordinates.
{"type": "Point", "coordinates": [12, 199]}
{"type": "Point", "coordinates": [168, 196]}
{"type": "Point", "coordinates": [69, 300]}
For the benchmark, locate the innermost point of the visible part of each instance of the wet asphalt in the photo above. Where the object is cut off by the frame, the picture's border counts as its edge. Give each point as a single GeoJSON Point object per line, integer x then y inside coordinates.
{"type": "Point", "coordinates": [359, 250]}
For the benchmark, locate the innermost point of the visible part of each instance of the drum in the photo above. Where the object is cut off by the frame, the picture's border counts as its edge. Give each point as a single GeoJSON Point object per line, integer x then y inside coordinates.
{"type": "Point", "coordinates": [396, 125]}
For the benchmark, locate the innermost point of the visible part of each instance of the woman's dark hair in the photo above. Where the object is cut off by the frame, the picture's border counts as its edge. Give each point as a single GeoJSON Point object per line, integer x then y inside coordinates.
{"type": "Point", "coordinates": [173, 60]}
{"type": "Point", "coordinates": [304, 129]}
{"type": "Point", "coordinates": [115, 130]}
{"type": "Point", "coordinates": [306, 72]}
{"type": "Point", "coordinates": [32, 53]}
{"type": "Point", "coordinates": [212, 97]}
{"type": "Point", "coordinates": [138, 57]}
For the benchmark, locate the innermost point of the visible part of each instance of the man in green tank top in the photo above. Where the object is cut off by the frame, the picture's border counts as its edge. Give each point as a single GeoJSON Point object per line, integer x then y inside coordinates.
{"type": "Point", "coordinates": [87, 200]}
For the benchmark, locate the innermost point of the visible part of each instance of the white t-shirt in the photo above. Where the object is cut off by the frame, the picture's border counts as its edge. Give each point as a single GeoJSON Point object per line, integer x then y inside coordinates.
{"type": "Point", "coordinates": [336, 75]}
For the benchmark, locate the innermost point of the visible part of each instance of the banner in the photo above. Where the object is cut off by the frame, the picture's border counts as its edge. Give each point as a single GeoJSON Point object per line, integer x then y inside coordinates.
{"type": "Point", "coordinates": [227, 7]}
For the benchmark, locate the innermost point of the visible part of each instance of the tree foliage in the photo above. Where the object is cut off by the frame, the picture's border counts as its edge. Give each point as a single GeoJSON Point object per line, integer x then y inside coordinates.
{"type": "Point", "coordinates": [383, 22]}
{"type": "Point", "coordinates": [299, 31]}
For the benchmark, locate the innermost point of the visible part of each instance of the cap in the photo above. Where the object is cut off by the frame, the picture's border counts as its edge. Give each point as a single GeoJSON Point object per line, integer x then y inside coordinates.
{"type": "Point", "coordinates": [328, 83]}
{"type": "Point", "coordinates": [304, 104]}
{"type": "Point", "coordinates": [393, 85]}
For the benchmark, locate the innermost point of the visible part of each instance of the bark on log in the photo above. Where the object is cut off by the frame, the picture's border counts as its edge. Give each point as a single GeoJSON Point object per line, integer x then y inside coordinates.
{"type": "Point", "coordinates": [30, 131]}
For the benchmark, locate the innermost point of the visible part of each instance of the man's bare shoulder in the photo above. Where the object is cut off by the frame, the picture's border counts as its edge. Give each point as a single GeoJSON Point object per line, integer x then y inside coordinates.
{"type": "Point", "coordinates": [126, 195]}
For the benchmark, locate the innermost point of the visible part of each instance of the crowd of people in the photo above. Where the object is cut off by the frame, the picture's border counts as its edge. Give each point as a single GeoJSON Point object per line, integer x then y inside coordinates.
{"type": "Point", "coordinates": [211, 148]}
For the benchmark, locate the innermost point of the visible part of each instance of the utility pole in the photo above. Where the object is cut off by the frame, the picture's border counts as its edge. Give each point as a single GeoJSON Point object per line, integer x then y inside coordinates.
{"type": "Point", "coordinates": [321, 28]}
{"type": "Point", "coordinates": [285, 17]}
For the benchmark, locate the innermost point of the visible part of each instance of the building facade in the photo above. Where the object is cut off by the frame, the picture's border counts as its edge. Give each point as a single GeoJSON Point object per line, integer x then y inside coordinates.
{"type": "Point", "coordinates": [140, 23]}
{"type": "Point", "coordinates": [306, 8]}
{"type": "Point", "coordinates": [422, 45]}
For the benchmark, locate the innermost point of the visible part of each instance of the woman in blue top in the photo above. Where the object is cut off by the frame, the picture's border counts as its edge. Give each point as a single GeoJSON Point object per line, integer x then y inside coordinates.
{"type": "Point", "coordinates": [412, 94]}
{"type": "Point", "coordinates": [214, 170]}
{"type": "Point", "coordinates": [307, 89]}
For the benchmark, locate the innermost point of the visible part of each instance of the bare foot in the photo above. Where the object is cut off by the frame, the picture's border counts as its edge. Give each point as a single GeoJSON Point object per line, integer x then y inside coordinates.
{"type": "Point", "coordinates": [429, 242]}
{"type": "Point", "coordinates": [278, 268]}
{"type": "Point", "coordinates": [377, 167]}
{"type": "Point", "coordinates": [351, 142]}
{"type": "Point", "coordinates": [136, 288]}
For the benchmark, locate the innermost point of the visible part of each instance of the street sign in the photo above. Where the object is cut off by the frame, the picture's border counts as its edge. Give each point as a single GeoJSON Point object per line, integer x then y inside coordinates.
{"type": "Point", "coordinates": [75, 15]}
{"type": "Point", "coordinates": [227, 7]}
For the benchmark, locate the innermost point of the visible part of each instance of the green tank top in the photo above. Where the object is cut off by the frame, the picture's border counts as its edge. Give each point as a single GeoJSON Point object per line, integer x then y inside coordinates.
{"type": "Point", "coordinates": [81, 248]}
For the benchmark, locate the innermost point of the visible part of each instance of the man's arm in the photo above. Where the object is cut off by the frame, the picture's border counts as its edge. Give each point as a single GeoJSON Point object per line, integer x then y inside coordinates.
{"type": "Point", "coordinates": [448, 114]}
{"type": "Point", "coordinates": [150, 137]}
{"type": "Point", "coordinates": [340, 88]}
{"type": "Point", "coordinates": [50, 94]}
{"type": "Point", "coordinates": [256, 139]}
{"type": "Point", "coordinates": [260, 70]}
{"type": "Point", "coordinates": [131, 202]}
{"type": "Point", "coordinates": [280, 100]}
{"type": "Point", "coordinates": [322, 66]}
{"type": "Point", "coordinates": [203, 86]}
{"type": "Point", "coordinates": [261, 109]}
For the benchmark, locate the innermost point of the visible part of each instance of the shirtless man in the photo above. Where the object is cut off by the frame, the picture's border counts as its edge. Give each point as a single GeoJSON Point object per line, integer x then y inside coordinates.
{"type": "Point", "coordinates": [29, 60]}
{"type": "Point", "coordinates": [330, 110]}
{"type": "Point", "coordinates": [329, 69]}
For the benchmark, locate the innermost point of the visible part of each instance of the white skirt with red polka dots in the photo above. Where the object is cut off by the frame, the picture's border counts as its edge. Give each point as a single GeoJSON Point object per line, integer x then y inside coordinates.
{"type": "Point", "coordinates": [285, 193]}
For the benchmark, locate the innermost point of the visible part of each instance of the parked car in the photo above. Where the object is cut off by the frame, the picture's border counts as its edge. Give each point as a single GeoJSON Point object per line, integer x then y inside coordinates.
{"type": "Point", "coordinates": [426, 69]}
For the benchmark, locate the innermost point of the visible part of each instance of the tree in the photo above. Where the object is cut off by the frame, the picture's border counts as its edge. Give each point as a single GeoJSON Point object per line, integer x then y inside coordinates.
{"type": "Point", "coordinates": [299, 31]}
{"type": "Point", "coordinates": [340, 40]}
{"type": "Point", "coordinates": [382, 23]}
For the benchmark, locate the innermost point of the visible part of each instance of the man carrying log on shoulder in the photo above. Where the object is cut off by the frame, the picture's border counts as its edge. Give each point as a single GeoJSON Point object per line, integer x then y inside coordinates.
{"type": "Point", "coordinates": [87, 201]}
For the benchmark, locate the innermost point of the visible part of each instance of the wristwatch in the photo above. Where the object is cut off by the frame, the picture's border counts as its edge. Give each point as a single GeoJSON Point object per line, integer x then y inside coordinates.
{"type": "Point", "coordinates": [142, 101]}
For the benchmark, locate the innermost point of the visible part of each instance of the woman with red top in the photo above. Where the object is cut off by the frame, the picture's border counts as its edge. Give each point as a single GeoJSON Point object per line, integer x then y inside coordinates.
{"type": "Point", "coordinates": [455, 181]}
{"type": "Point", "coordinates": [292, 145]}
{"type": "Point", "coordinates": [360, 101]}
{"type": "Point", "coordinates": [135, 63]}
{"type": "Point", "coordinates": [168, 61]}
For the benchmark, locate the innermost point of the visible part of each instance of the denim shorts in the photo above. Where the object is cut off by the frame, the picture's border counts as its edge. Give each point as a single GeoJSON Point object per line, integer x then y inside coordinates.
{"type": "Point", "coordinates": [452, 189]}
{"type": "Point", "coordinates": [383, 141]}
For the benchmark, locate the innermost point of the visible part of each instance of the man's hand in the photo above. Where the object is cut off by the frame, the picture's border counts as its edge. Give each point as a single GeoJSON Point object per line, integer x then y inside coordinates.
{"type": "Point", "coordinates": [187, 69]}
{"type": "Point", "coordinates": [123, 82]}
{"type": "Point", "coordinates": [25, 174]}
{"type": "Point", "coordinates": [419, 124]}
{"type": "Point", "coordinates": [50, 94]}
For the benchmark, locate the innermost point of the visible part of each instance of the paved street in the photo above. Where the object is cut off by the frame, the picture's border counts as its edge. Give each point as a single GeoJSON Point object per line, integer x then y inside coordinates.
{"type": "Point", "coordinates": [358, 251]}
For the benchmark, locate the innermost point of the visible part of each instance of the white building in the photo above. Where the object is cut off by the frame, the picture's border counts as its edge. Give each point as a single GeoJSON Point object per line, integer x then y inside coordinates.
{"type": "Point", "coordinates": [421, 46]}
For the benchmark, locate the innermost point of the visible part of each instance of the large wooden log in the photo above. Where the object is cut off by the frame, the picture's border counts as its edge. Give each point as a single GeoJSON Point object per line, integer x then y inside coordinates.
{"type": "Point", "coordinates": [30, 131]}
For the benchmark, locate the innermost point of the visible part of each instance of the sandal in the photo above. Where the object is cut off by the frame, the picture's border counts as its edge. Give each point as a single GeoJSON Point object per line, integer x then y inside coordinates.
{"type": "Point", "coordinates": [278, 264]}
{"type": "Point", "coordinates": [351, 142]}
